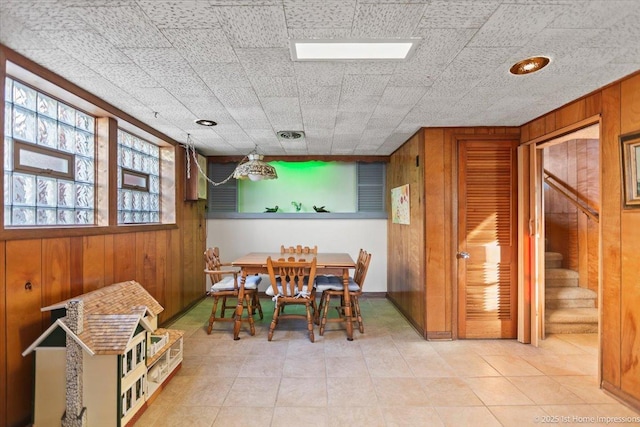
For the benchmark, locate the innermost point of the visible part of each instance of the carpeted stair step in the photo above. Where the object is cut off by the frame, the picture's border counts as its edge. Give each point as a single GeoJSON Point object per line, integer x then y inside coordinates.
{"type": "Point", "coordinates": [571, 320]}
{"type": "Point", "coordinates": [553, 260]}
{"type": "Point", "coordinates": [569, 297]}
{"type": "Point", "coordinates": [555, 277]}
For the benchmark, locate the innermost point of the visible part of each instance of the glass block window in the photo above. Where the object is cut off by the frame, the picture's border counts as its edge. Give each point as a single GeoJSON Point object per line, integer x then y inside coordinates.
{"type": "Point", "coordinates": [49, 162]}
{"type": "Point", "coordinates": [138, 180]}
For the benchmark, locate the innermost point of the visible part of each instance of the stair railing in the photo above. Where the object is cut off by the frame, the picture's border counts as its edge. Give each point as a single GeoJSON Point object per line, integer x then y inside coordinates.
{"type": "Point", "coordinates": [570, 194]}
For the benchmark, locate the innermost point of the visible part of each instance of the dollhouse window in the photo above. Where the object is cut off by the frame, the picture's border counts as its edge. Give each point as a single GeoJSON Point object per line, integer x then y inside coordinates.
{"type": "Point", "coordinates": [139, 352]}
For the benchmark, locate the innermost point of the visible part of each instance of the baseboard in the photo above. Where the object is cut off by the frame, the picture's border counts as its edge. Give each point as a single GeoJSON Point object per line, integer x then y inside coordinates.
{"type": "Point", "coordinates": [622, 396]}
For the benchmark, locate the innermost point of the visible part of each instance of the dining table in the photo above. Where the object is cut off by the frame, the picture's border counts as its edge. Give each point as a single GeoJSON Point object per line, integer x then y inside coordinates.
{"type": "Point", "coordinates": [335, 263]}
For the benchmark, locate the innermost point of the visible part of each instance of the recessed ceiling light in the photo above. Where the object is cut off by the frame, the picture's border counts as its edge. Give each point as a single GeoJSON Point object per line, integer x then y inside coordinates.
{"type": "Point", "coordinates": [332, 50]}
{"type": "Point", "coordinates": [205, 122]}
{"type": "Point", "coordinates": [529, 65]}
{"type": "Point", "coordinates": [289, 135]}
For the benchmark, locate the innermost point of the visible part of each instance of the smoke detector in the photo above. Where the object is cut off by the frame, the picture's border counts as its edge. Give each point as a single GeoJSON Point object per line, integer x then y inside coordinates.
{"type": "Point", "coordinates": [290, 135]}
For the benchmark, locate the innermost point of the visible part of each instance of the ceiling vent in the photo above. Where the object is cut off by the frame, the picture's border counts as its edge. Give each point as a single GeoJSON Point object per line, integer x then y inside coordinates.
{"type": "Point", "coordinates": [290, 135]}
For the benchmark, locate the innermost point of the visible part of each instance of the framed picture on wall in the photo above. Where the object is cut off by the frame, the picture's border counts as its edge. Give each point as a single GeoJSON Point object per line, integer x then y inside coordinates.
{"type": "Point", "coordinates": [630, 144]}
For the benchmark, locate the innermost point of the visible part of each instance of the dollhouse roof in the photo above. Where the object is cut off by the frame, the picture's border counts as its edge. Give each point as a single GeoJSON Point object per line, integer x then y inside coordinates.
{"type": "Point", "coordinates": [111, 316]}
{"type": "Point", "coordinates": [120, 298]}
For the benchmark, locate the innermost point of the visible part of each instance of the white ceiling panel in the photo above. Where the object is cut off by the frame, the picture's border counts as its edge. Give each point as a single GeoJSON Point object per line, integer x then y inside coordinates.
{"type": "Point", "coordinates": [255, 26]}
{"type": "Point", "coordinates": [169, 62]}
{"type": "Point", "coordinates": [191, 14]}
{"type": "Point", "coordinates": [124, 26]}
{"type": "Point", "coordinates": [201, 45]}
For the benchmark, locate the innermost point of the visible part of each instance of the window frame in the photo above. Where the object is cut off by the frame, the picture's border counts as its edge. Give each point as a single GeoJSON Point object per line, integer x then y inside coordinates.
{"type": "Point", "coordinates": [19, 145]}
{"type": "Point", "coordinates": [107, 120]}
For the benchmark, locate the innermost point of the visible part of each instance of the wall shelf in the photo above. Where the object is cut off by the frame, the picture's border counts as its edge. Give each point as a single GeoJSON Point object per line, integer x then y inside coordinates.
{"type": "Point", "coordinates": [302, 215]}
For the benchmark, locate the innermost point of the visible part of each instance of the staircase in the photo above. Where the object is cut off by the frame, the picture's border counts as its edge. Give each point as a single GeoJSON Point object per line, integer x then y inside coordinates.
{"type": "Point", "coordinates": [569, 309]}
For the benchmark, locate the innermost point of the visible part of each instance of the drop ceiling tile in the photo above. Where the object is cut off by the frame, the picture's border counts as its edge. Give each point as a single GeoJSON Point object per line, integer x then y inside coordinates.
{"type": "Point", "coordinates": [125, 26]}
{"type": "Point", "coordinates": [319, 33]}
{"type": "Point", "coordinates": [514, 24]}
{"type": "Point", "coordinates": [275, 86]}
{"type": "Point", "coordinates": [594, 14]}
{"type": "Point", "coordinates": [370, 67]}
{"type": "Point", "coordinates": [319, 73]}
{"type": "Point", "coordinates": [188, 84]}
{"type": "Point", "coordinates": [410, 80]}
{"type": "Point", "coordinates": [250, 117]}
{"type": "Point", "coordinates": [60, 62]}
{"type": "Point", "coordinates": [222, 75]}
{"type": "Point", "coordinates": [266, 62]}
{"type": "Point", "coordinates": [351, 123]}
{"type": "Point", "coordinates": [457, 14]}
{"type": "Point", "coordinates": [257, 26]}
{"type": "Point", "coordinates": [158, 61]}
{"type": "Point", "coordinates": [386, 20]}
{"type": "Point", "coordinates": [13, 33]}
{"type": "Point", "coordinates": [364, 85]}
{"type": "Point", "coordinates": [237, 97]}
{"type": "Point", "coordinates": [625, 32]}
{"type": "Point", "coordinates": [126, 76]}
{"type": "Point", "coordinates": [319, 14]}
{"type": "Point", "coordinates": [39, 15]}
{"type": "Point", "coordinates": [319, 95]}
{"type": "Point", "coordinates": [436, 49]}
{"type": "Point", "coordinates": [87, 46]}
{"type": "Point", "coordinates": [201, 45]}
{"type": "Point", "coordinates": [180, 14]}
{"type": "Point", "coordinates": [358, 103]}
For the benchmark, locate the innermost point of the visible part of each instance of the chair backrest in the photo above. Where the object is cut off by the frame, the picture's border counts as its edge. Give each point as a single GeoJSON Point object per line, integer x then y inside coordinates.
{"type": "Point", "coordinates": [212, 263]}
{"type": "Point", "coordinates": [362, 266]}
{"type": "Point", "coordinates": [299, 249]}
{"type": "Point", "coordinates": [293, 275]}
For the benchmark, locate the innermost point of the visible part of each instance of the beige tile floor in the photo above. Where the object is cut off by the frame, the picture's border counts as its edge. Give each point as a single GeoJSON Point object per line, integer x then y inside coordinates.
{"type": "Point", "coordinates": [388, 376]}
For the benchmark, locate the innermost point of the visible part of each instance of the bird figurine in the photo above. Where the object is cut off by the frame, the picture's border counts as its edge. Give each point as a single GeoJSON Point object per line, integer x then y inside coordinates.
{"type": "Point", "coordinates": [273, 209]}
{"type": "Point", "coordinates": [321, 209]}
{"type": "Point", "coordinates": [298, 206]}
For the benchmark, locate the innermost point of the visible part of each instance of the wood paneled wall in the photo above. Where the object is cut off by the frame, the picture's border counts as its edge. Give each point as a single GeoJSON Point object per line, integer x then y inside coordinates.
{"type": "Point", "coordinates": [46, 266]}
{"type": "Point", "coordinates": [422, 279]}
{"type": "Point", "coordinates": [567, 230]}
{"type": "Point", "coordinates": [618, 107]}
{"type": "Point", "coordinates": [406, 258]}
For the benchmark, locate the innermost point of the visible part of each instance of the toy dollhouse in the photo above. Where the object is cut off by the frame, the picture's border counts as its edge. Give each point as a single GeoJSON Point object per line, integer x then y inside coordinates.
{"type": "Point", "coordinates": [103, 358]}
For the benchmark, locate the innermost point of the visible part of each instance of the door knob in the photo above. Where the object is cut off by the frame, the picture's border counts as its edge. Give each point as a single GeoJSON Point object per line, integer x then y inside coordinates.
{"type": "Point", "coordinates": [463, 255]}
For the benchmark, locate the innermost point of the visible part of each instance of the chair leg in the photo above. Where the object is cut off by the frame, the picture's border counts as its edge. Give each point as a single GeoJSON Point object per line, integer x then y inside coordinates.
{"type": "Point", "coordinates": [274, 321]}
{"type": "Point", "coordinates": [256, 304]}
{"type": "Point", "coordinates": [224, 307]}
{"type": "Point", "coordinates": [310, 322]}
{"type": "Point", "coordinates": [319, 310]}
{"type": "Point", "coordinates": [248, 301]}
{"type": "Point", "coordinates": [212, 318]}
{"type": "Point", "coordinates": [326, 298]}
{"type": "Point", "coordinates": [356, 306]}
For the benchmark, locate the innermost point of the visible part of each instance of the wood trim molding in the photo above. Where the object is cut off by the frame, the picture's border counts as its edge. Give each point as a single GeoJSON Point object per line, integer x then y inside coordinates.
{"type": "Point", "coordinates": [564, 130]}
{"type": "Point", "coordinates": [620, 394]}
{"type": "Point", "coordinates": [323, 158]}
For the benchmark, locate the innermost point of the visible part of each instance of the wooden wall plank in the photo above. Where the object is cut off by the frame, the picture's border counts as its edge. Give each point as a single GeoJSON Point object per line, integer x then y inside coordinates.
{"type": "Point", "coordinates": [630, 105]}
{"type": "Point", "coordinates": [56, 273]}
{"type": "Point", "coordinates": [124, 259]}
{"type": "Point", "coordinates": [630, 302]}
{"type": "Point", "coordinates": [3, 338]}
{"type": "Point", "coordinates": [146, 262]}
{"type": "Point", "coordinates": [24, 324]}
{"type": "Point", "coordinates": [93, 263]}
{"type": "Point", "coordinates": [610, 231]}
{"type": "Point", "coordinates": [571, 113]}
{"type": "Point", "coordinates": [437, 214]}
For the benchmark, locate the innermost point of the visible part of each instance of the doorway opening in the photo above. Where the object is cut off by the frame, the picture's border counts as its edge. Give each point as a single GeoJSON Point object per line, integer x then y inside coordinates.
{"type": "Point", "coordinates": [569, 175]}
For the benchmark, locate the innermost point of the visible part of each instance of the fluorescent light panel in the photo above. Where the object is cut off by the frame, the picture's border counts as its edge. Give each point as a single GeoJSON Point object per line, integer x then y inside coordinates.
{"type": "Point", "coordinates": [332, 50]}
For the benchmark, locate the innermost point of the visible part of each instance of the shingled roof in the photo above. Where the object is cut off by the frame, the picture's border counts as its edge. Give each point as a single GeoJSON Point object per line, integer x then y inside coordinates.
{"type": "Point", "coordinates": [119, 298]}
{"type": "Point", "coordinates": [111, 315]}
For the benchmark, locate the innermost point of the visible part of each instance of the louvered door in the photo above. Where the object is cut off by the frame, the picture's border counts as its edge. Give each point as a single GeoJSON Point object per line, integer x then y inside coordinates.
{"type": "Point", "coordinates": [487, 249]}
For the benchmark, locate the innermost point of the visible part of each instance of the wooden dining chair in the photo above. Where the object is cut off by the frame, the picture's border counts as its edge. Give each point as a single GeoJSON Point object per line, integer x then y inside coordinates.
{"type": "Point", "coordinates": [299, 249]}
{"type": "Point", "coordinates": [330, 285]}
{"type": "Point", "coordinates": [225, 283]}
{"type": "Point", "coordinates": [292, 284]}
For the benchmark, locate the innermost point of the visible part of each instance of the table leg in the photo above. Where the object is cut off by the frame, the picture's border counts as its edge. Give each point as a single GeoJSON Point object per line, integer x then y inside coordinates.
{"type": "Point", "coordinates": [238, 319]}
{"type": "Point", "coordinates": [347, 304]}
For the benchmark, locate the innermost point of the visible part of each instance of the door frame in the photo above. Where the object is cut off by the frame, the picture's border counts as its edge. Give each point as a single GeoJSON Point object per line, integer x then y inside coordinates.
{"type": "Point", "coordinates": [531, 225]}
{"type": "Point", "coordinates": [455, 234]}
